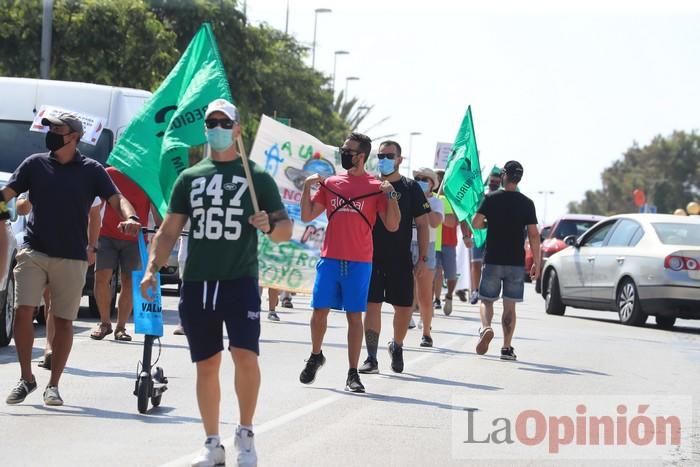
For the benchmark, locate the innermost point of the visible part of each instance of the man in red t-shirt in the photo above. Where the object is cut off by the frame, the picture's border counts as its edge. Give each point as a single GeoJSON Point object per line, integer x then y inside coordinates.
{"type": "Point", "coordinates": [114, 248]}
{"type": "Point", "coordinates": [352, 202]}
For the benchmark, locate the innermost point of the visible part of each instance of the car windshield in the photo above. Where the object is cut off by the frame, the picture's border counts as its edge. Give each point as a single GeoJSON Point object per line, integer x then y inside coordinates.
{"type": "Point", "coordinates": [677, 233]}
{"type": "Point", "coordinates": [17, 142]}
{"type": "Point", "coordinates": [568, 227]}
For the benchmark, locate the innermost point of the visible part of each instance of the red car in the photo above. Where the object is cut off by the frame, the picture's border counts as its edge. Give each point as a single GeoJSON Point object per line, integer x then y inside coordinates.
{"type": "Point", "coordinates": [553, 242]}
{"type": "Point", "coordinates": [544, 233]}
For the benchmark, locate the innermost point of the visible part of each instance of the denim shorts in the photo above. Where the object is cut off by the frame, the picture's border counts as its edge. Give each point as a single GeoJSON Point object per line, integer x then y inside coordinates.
{"type": "Point", "coordinates": [477, 254]}
{"type": "Point", "coordinates": [430, 254]}
{"type": "Point", "coordinates": [447, 260]}
{"type": "Point", "coordinates": [492, 275]}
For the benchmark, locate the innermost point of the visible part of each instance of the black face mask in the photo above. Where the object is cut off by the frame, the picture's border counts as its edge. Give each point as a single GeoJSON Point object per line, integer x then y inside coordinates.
{"type": "Point", "coordinates": [54, 141]}
{"type": "Point", "coordinates": [346, 160]}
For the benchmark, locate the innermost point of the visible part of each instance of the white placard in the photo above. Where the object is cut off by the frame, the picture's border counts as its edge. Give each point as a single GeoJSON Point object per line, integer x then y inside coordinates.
{"type": "Point", "coordinates": [442, 153]}
{"type": "Point", "coordinates": [92, 126]}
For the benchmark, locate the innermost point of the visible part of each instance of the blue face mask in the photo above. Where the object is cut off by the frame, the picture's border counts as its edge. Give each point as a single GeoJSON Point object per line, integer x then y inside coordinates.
{"type": "Point", "coordinates": [425, 186]}
{"type": "Point", "coordinates": [219, 139]}
{"type": "Point", "coordinates": [386, 166]}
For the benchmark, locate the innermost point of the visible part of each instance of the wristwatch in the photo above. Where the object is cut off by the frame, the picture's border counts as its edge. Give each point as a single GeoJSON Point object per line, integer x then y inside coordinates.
{"type": "Point", "coordinates": [395, 195]}
{"type": "Point", "coordinates": [92, 249]}
{"type": "Point", "coordinates": [134, 218]}
{"type": "Point", "coordinates": [424, 259]}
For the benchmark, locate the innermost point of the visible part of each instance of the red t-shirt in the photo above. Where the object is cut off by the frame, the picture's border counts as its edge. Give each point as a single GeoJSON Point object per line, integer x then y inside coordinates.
{"type": "Point", "coordinates": [349, 235]}
{"type": "Point", "coordinates": [449, 235]}
{"type": "Point", "coordinates": [135, 195]}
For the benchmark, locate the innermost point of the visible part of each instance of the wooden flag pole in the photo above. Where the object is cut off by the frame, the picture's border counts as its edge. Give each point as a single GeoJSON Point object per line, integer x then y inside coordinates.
{"type": "Point", "coordinates": [248, 175]}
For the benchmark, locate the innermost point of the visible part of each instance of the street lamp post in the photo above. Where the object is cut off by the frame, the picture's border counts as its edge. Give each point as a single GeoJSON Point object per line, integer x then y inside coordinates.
{"type": "Point", "coordinates": [347, 80]}
{"type": "Point", "coordinates": [335, 62]}
{"type": "Point", "coordinates": [313, 46]}
{"type": "Point", "coordinates": [410, 149]}
{"type": "Point", "coordinates": [545, 193]}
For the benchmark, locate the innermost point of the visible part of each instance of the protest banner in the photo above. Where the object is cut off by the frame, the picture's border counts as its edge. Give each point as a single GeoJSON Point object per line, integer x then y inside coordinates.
{"type": "Point", "coordinates": [442, 154]}
{"type": "Point", "coordinates": [92, 126]}
{"type": "Point", "coordinates": [290, 156]}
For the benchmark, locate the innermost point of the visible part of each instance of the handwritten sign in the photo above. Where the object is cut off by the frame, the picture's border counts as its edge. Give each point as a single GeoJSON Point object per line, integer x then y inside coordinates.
{"type": "Point", "coordinates": [92, 126]}
{"type": "Point", "coordinates": [290, 156]}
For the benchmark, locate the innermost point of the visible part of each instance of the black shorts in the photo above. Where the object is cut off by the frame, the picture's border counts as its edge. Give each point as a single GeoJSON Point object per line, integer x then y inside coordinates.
{"type": "Point", "coordinates": [206, 306]}
{"type": "Point", "coordinates": [392, 282]}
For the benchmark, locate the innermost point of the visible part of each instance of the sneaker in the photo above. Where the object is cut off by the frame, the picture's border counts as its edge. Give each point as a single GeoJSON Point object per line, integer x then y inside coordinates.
{"type": "Point", "coordinates": [212, 454]}
{"type": "Point", "coordinates": [370, 366]}
{"type": "Point", "coordinates": [508, 353]}
{"type": "Point", "coordinates": [396, 352]}
{"type": "Point", "coordinates": [51, 396]}
{"type": "Point", "coordinates": [485, 336]}
{"type": "Point", "coordinates": [179, 331]}
{"type": "Point", "coordinates": [411, 324]}
{"type": "Point", "coordinates": [436, 304]}
{"type": "Point", "coordinates": [474, 297]}
{"type": "Point", "coordinates": [426, 341]}
{"type": "Point", "coordinates": [308, 374]}
{"type": "Point", "coordinates": [461, 295]}
{"type": "Point", "coordinates": [245, 448]}
{"type": "Point", "coordinates": [272, 316]}
{"type": "Point", "coordinates": [20, 392]}
{"type": "Point", "coordinates": [353, 383]}
{"type": "Point", "coordinates": [448, 306]}
{"type": "Point", "coordinates": [287, 302]}
{"type": "Point", "coordinates": [46, 362]}
{"type": "Point", "coordinates": [420, 323]}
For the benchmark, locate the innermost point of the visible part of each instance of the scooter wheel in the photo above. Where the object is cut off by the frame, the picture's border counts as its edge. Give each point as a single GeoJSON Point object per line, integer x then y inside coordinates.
{"type": "Point", "coordinates": [156, 400]}
{"type": "Point", "coordinates": [143, 392]}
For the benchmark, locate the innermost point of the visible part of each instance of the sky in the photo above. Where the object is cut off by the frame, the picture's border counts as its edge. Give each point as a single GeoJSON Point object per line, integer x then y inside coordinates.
{"type": "Point", "coordinates": [563, 87]}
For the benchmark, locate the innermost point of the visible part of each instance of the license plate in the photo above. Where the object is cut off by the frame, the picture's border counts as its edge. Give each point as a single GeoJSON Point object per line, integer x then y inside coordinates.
{"type": "Point", "coordinates": [694, 275]}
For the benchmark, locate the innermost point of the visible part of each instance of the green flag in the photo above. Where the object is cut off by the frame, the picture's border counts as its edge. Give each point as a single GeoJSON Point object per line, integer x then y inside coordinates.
{"type": "Point", "coordinates": [153, 149]}
{"type": "Point", "coordinates": [462, 183]}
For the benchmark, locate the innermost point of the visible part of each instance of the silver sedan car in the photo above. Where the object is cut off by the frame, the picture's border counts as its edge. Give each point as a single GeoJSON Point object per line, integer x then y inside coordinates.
{"type": "Point", "coordinates": [635, 264]}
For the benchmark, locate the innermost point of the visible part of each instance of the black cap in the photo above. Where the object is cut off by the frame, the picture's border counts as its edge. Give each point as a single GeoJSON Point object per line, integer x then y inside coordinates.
{"type": "Point", "coordinates": [513, 168]}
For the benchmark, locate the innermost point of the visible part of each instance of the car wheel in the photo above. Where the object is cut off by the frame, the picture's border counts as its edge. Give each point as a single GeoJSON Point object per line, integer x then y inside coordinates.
{"type": "Point", "coordinates": [7, 311]}
{"type": "Point", "coordinates": [552, 298]}
{"type": "Point", "coordinates": [665, 322]}
{"type": "Point", "coordinates": [628, 306]}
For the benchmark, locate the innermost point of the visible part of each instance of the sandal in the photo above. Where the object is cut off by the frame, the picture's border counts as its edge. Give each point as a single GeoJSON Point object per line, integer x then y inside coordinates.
{"type": "Point", "coordinates": [121, 335]}
{"type": "Point", "coordinates": [101, 331]}
{"type": "Point", "coordinates": [485, 336]}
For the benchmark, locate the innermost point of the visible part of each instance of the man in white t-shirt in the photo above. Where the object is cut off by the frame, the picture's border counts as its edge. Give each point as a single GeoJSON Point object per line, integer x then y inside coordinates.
{"type": "Point", "coordinates": [428, 180]}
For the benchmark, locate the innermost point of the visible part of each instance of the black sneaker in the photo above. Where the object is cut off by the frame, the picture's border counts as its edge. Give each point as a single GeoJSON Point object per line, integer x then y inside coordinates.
{"type": "Point", "coordinates": [308, 374]}
{"type": "Point", "coordinates": [20, 392]}
{"type": "Point", "coordinates": [436, 304]}
{"type": "Point", "coordinates": [396, 352]}
{"type": "Point", "coordinates": [508, 353]}
{"type": "Point", "coordinates": [371, 366]}
{"type": "Point", "coordinates": [353, 383]}
{"type": "Point", "coordinates": [462, 295]}
{"type": "Point", "coordinates": [287, 302]}
{"type": "Point", "coordinates": [426, 341]}
{"type": "Point", "coordinates": [273, 316]}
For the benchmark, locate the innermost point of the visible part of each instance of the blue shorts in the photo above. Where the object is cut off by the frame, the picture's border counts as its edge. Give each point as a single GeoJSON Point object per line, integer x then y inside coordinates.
{"type": "Point", "coordinates": [477, 254]}
{"type": "Point", "coordinates": [447, 260]}
{"type": "Point", "coordinates": [431, 254]}
{"type": "Point", "coordinates": [206, 306]}
{"type": "Point", "coordinates": [341, 285]}
{"type": "Point", "coordinates": [492, 275]}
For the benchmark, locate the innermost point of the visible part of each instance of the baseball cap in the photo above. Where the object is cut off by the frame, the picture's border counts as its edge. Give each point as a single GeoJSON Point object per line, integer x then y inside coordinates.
{"type": "Point", "coordinates": [513, 168]}
{"type": "Point", "coordinates": [427, 173]}
{"type": "Point", "coordinates": [224, 106]}
{"type": "Point", "coordinates": [71, 120]}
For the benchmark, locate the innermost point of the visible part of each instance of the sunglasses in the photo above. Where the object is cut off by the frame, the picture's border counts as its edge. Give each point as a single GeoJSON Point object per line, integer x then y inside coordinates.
{"type": "Point", "coordinates": [386, 155]}
{"type": "Point", "coordinates": [225, 123]}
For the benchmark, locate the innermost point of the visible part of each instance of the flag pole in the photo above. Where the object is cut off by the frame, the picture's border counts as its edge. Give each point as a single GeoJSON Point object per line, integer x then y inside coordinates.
{"type": "Point", "coordinates": [248, 175]}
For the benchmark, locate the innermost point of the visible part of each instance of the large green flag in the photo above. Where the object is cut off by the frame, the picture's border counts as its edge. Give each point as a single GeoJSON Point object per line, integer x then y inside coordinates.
{"type": "Point", "coordinates": [153, 149]}
{"type": "Point", "coordinates": [462, 183]}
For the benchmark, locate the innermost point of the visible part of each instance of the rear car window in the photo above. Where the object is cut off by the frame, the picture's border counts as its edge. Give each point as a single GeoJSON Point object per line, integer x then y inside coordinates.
{"type": "Point", "coordinates": [676, 233]}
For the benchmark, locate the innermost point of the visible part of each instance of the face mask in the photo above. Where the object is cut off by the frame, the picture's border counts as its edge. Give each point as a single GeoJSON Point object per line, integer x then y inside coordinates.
{"type": "Point", "coordinates": [346, 161]}
{"type": "Point", "coordinates": [54, 141]}
{"type": "Point", "coordinates": [425, 186]}
{"type": "Point", "coordinates": [219, 139]}
{"type": "Point", "coordinates": [386, 166]}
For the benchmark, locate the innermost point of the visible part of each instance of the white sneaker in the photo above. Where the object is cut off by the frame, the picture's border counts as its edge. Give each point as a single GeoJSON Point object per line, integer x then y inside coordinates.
{"type": "Point", "coordinates": [420, 324]}
{"type": "Point", "coordinates": [52, 397]}
{"type": "Point", "coordinates": [474, 298]}
{"type": "Point", "coordinates": [212, 454]}
{"type": "Point", "coordinates": [245, 448]}
{"type": "Point", "coordinates": [411, 324]}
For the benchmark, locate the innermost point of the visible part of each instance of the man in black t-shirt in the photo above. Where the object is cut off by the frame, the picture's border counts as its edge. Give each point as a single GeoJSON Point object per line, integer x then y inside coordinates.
{"type": "Point", "coordinates": [392, 262]}
{"type": "Point", "coordinates": [507, 214]}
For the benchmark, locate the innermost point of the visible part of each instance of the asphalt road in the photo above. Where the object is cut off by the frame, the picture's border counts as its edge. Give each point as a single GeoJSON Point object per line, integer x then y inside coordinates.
{"type": "Point", "coordinates": [407, 419]}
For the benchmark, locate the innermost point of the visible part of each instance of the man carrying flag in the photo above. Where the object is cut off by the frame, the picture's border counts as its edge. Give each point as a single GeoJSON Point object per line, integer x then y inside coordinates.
{"type": "Point", "coordinates": [220, 282]}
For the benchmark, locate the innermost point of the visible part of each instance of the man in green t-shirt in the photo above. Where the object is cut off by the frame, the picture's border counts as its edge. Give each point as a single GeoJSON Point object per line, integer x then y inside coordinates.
{"type": "Point", "coordinates": [220, 283]}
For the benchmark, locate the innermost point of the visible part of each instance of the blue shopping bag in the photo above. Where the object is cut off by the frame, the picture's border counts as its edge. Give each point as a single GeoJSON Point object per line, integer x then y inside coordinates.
{"type": "Point", "coordinates": [148, 315]}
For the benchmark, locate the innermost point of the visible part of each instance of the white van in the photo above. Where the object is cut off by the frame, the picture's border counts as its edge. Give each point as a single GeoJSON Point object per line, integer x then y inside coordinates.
{"type": "Point", "coordinates": [20, 99]}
